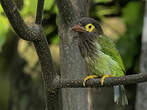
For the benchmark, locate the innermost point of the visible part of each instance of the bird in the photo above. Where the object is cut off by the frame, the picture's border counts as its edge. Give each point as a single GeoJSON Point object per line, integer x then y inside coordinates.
{"type": "Point", "coordinates": [100, 55]}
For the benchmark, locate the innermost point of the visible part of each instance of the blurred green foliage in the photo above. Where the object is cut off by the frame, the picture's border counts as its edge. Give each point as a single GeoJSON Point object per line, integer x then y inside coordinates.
{"type": "Point", "coordinates": [3, 27]}
{"type": "Point", "coordinates": [4, 93]}
{"type": "Point", "coordinates": [129, 43]}
{"type": "Point", "coordinates": [29, 9]}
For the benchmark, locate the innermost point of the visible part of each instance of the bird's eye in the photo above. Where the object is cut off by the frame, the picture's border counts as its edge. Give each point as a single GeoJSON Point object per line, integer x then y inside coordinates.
{"type": "Point", "coordinates": [89, 27]}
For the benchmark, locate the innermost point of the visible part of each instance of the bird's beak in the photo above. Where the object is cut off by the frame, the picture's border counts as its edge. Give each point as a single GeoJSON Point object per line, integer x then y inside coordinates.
{"type": "Point", "coordinates": [78, 28]}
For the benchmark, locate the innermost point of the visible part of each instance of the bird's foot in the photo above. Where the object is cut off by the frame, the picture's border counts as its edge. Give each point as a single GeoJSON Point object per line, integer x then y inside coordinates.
{"type": "Point", "coordinates": [103, 78]}
{"type": "Point", "coordinates": [89, 77]}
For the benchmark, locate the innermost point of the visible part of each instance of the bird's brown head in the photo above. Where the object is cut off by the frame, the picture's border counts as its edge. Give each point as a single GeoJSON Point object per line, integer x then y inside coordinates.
{"type": "Point", "coordinates": [87, 26]}
{"type": "Point", "coordinates": [88, 30]}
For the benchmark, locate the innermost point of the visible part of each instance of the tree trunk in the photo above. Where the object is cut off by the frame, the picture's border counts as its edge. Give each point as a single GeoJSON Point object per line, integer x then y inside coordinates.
{"type": "Point", "coordinates": [141, 99]}
{"type": "Point", "coordinates": [72, 65]}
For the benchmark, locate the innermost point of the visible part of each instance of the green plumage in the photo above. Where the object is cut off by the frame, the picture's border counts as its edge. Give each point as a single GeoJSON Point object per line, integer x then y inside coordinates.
{"type": "Point", "coordinates": [106, 59]}
{"type": "Point", "coordinates": [100, 54]}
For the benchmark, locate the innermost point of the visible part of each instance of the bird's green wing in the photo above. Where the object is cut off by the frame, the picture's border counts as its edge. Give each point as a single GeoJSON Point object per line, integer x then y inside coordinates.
{"type": "Point", "coordinates": [101, 64]}
{"type": "Point", "coordinates": [108, 47]}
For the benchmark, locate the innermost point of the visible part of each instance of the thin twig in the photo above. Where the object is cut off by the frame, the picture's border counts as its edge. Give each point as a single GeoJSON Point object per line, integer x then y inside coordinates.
{"type": "Point", "coordinates": [125, 80]}
{"type": "Point", "coordinates": [39, 12]}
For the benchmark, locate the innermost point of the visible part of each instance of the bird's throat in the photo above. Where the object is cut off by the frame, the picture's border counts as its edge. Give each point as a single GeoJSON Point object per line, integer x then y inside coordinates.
{"type": "Point", "coordinates": [87, 47]}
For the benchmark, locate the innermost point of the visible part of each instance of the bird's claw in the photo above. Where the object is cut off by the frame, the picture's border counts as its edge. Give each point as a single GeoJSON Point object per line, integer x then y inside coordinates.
{"type": "Point", "coordinates": [103, 78]}
{"type": "Point", "coordinates": [89, 77]}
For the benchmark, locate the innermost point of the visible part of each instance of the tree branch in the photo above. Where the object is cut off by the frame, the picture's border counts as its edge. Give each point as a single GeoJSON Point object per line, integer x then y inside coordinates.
{"type": "Point", "coordinates": [39, 11]}
{"type": "Point", "coordinates": [125, 80]}
{"type": "Point", "coordinates": [48, 71]}
{"type": "Point", "coordinates": [17, 22]}
{"type": "Point", "coordinates": [35, 33]}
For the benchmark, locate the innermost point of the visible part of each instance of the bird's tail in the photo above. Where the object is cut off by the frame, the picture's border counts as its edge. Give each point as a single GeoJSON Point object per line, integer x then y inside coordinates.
{"type": "Point", "coordinates": [120, 95]}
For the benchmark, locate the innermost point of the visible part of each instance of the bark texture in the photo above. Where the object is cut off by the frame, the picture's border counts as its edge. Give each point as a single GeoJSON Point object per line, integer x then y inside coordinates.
{"type": "Point", "coordinates": [69, 12]}
{"type": "Point", "coordinates": [141, 99]}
